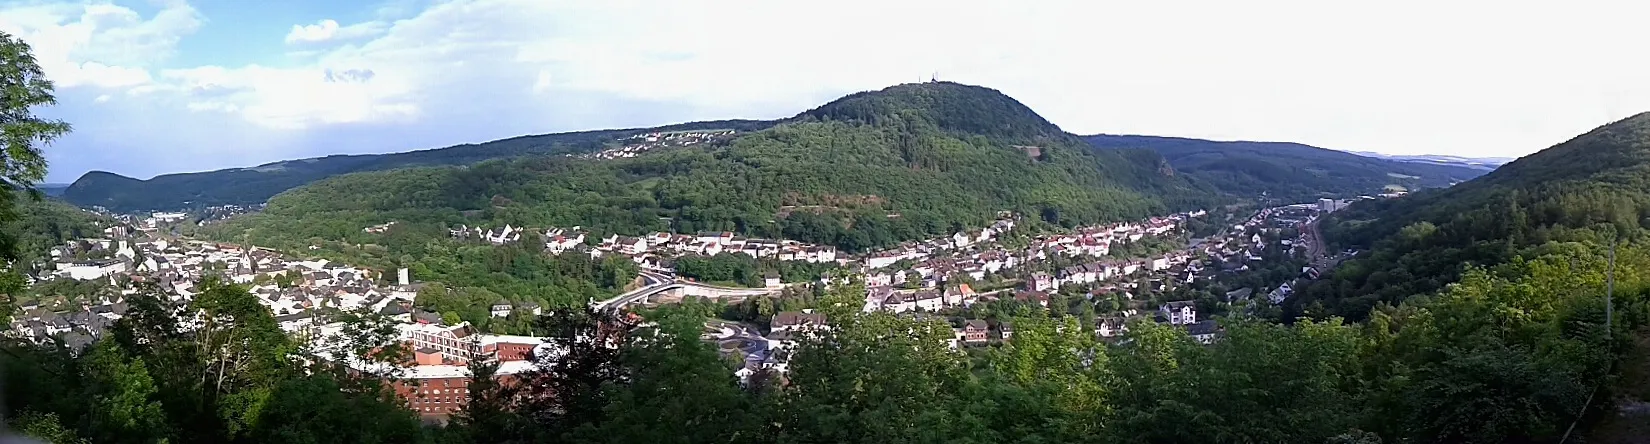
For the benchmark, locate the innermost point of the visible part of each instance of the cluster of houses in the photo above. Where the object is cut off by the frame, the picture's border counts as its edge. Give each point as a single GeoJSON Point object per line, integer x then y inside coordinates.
{"type": "Point", "coordinates": [298, 292]}
{"type": "Point", "coordinates": [380, 228]}
{"type": "Point", "coordinates": [655, 248]}
{"type": "Point", "coordinates": [1231, 252]}
{"type": "Point", "coordinates": [641, 143]}
{"type": "Point", "coordinates": [939, 261]}
{"type": "Point", "coordinates": [302, 294]}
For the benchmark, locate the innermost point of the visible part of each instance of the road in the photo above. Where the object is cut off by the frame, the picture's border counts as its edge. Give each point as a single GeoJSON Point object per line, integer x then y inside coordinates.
{"type": "Point", "coordinates": [1316, 250]}
{"type": "Point", "coordinates": [652, 282]}
{"type": "Point", "coordinates": [656, 282]}
{"type": "Point", "coordinates": [1314, 241]}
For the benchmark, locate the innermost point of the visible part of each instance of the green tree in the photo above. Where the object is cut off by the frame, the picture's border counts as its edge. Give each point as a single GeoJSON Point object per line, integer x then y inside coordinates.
{"type": "Point", "coordinates": [22, 134]}
{"type": "Point", "coordinates": [124, 398]}
{"type": "Point", "coordinates": [47, 427]}
{"type": "Point", "coordinates": [678, 390]}
{"type": "Point", "coordinates": [487, 416]}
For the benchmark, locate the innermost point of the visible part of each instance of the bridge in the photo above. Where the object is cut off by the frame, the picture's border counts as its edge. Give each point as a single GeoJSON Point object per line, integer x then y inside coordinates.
{"type": "Point", "coordinates": [660, 283]}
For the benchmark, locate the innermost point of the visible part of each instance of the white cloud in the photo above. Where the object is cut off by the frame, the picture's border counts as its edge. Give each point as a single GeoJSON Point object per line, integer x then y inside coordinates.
{"type": "Point", "coordinates": [328, 30]}
{"type": "Point", "coordinates": [100, 45]}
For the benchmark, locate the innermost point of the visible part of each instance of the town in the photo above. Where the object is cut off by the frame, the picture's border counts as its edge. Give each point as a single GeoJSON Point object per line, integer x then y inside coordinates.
{"type": "Point", "coordinates": [936, 277]}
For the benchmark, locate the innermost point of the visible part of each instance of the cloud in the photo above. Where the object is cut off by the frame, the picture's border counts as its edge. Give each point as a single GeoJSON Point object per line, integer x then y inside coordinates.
{"type": "Point", "coordinates": [1401, 76]}
{"type": "Point", "coordinates": [295, 98]}
{"type": "Point", "coordinates": [328, 30]}
{"type": "Point", "coordinates": [100, 45]}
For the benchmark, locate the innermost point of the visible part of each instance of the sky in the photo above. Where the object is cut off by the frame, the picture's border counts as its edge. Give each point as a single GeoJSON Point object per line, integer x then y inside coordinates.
{"type": "Point", "coordinates": [164, 86]}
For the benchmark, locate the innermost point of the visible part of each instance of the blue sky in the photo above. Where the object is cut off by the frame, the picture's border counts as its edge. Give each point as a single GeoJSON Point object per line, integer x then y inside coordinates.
{"type": "Point", "coordinates": [161, 86]}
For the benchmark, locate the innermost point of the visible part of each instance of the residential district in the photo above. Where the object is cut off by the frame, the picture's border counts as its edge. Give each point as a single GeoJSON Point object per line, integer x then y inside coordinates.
{"type": "Point", "coordinates": [923, 278]}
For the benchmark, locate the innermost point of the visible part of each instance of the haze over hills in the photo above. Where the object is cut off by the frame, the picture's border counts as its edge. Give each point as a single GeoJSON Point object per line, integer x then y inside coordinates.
{"type": "Point", "coordinates": [52, 189]}
{"type": "Point", "coordinates": [871, 169]}
{"type": "Point", "coordinates": [1291, 171]}
{"type": "Point", "coordinates": [1483, 163]}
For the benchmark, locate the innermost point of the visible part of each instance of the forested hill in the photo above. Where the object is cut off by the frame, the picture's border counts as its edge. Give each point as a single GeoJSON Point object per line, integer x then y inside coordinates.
{"type": "Point", "coordinates": [871, 169]}
{"type": "Point", "coordinates": [243, 186]}
{"type": "Point", "coordinates": [1289, 171]}
{"type": "Point", "coordinates": [41, 224]}
{"type": "Point", "coordinates": [1580, 192]}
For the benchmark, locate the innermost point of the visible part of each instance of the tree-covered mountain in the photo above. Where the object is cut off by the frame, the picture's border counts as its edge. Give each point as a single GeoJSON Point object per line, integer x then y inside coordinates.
{"type": "Point", "coordinates": [46, 222]}
{"type": "Point", "coordinates": [1288, 170]}
{"type": "Point", "coordinates": [869, 170]}
{"type": "Point", "coordinates": [243, 186]}
{"type": "Point", "coordinates": [1581, 192]}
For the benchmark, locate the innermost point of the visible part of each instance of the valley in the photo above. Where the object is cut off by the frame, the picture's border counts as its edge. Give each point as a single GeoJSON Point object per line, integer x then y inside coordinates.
{"type": "Point", "coordinates": [940, 243]}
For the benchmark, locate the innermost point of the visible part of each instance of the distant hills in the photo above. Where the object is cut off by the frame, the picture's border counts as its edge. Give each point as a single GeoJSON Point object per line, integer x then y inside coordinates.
{"type": "Point", "coordinates": [242, 186]}
{"type": "Point", "coordinates": [1289, 170]}
{"type": "Point", "coordinates": [1229, 169]}
{"type": "Point", "coordinates": [1483, 163]}
{"type": "Point", "coordinates": [868, 170]}
{"type": "Point", "coordinates": [52, 189]}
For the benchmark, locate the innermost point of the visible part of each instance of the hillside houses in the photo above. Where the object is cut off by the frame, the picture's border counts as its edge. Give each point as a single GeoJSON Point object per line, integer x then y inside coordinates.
{"type": "Point", "coordinates": [176, 268]}
{"type": "Point", "coordinates": [380, 228]}
{"type": "Point", "coordinates": [496, 236]}
{"type": "Point", "coordinates": [655, 245]}
{"type": "Point", "coordinates": [636, 145]}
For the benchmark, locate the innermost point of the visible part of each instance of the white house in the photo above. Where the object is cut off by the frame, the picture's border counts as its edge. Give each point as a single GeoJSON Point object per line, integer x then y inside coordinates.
{"type": "Point", "coordinates": [1111, 327]}
{"type": "Point", "coordinates": [502, 308]}
{"type": "Point", "coordinates": [881, 260]}
{"type": "Point", "coordinates": [1179, 312]}
{"type": "Point", "coordinates": [631, 245]}
{"type": "Point", "coordinates": [1204, 332]}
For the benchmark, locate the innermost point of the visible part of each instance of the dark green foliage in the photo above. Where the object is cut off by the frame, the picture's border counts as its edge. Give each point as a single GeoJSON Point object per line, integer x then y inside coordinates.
{"type": "Point", "coordinates": [949, 106]}
{"type": "Point", "coordinates": [234, 378]}
{"type": "Point", "coordinates": [245, 186]}
{"type": "Point", "coordinates": [24, 86]}
{"type": "Point", "coordinates": [39, 224]}
{"type": "Point", "coordinates": [318, 409]}
{"type": "Point", "coordinates": [732, 268]}
{"type": "Point", "coordinates": [1287, 171]}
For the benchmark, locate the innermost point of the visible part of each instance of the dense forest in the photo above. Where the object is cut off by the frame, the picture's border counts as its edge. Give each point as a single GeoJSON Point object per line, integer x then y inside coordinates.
{"type": "Point", "coordinates": [1289, 171]}
{"type": "Point", "coordinates": [254, 185]}
{"type": "Point", "coordinates": [1579, 194]}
